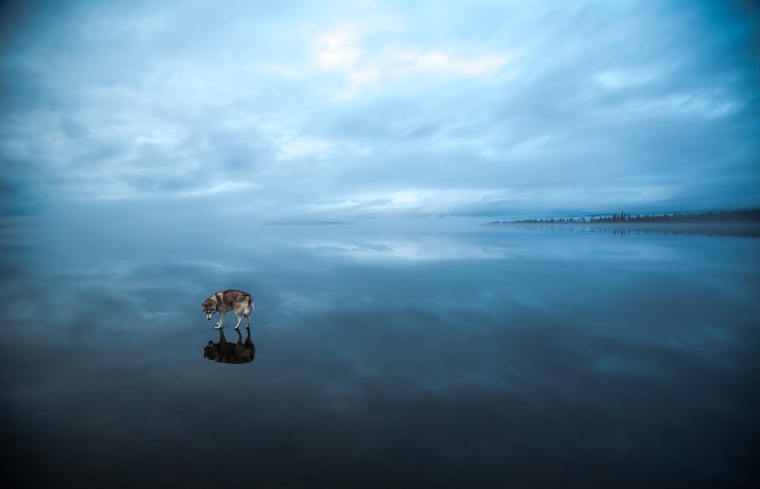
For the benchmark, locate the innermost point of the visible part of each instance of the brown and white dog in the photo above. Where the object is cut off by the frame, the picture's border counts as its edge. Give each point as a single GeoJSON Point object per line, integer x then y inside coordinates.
{"type": "Point", "coordinates": [229, 300]}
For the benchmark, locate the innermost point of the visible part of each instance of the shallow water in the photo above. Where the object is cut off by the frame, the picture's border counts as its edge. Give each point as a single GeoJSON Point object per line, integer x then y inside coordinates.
{"type": "Point", "coordinates": [435, 352]}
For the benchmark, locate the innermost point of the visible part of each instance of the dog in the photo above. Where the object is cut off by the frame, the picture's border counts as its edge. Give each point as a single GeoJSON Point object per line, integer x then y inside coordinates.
{"type": "Point", "coordinates": [229, 300]}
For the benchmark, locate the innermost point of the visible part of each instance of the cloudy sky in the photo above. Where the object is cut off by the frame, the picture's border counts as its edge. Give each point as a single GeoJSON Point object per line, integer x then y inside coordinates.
{"type": "Point", "coordinates": [363, 108]}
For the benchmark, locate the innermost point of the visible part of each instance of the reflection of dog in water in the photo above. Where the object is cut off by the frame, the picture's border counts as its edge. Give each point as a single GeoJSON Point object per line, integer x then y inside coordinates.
{"type": "Point", "coordinates": [224, 352]}
{"type": "Point", "coordinates": [229, 300]}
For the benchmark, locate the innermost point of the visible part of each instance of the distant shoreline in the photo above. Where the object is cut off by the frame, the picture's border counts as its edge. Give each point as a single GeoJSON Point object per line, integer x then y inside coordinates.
{"type": "Point", "coordinates": [712, 217]}
{"type": "Point", "coordinates": [745, 223]}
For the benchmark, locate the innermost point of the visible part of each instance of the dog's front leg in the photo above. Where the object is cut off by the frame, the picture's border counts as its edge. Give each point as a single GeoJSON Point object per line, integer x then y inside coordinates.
{"type": "Point", "coordinates": [221, 319]}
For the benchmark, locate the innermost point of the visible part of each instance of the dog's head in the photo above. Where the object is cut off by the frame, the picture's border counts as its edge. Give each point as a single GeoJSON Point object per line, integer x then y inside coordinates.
{"type": "Point", "coordinates": [209, 307]}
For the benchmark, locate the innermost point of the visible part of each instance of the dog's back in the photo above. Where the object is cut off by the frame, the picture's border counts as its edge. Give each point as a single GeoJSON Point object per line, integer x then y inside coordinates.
{"type": "Point", "coordinates": [232, 298]}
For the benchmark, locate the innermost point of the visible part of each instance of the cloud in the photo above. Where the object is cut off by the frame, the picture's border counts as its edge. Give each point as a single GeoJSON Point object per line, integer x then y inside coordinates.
{"type": "Point", "coordinates": [313, 107]}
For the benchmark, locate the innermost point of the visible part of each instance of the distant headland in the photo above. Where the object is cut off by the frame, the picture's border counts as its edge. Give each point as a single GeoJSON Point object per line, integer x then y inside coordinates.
{"type": "Point", "coordinates": [744, 223]}
{"type": "Point", "coordinates": [741, 216]}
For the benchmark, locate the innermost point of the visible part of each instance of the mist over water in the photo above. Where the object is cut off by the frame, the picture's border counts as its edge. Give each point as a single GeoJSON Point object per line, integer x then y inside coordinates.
{"type": "Point", "coordinates": [406, 353]}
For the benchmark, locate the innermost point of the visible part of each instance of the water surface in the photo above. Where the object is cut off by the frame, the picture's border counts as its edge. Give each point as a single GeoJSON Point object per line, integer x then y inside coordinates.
{"type": "Point", "coordinates": [435, 352]}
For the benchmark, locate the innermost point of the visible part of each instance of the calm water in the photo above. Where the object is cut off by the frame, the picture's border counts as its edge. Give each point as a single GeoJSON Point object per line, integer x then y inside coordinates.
{"type": "Point", "coordinates": [439, 353]}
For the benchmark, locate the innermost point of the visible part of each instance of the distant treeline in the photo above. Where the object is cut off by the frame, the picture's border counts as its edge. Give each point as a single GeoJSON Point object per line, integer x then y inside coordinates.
{"type": "Point", "coordinates": [745, 216]}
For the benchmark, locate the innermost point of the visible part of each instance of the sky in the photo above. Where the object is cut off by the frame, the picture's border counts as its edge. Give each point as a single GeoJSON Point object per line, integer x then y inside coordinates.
{"type": "Point", "coordinates": [338, 110]}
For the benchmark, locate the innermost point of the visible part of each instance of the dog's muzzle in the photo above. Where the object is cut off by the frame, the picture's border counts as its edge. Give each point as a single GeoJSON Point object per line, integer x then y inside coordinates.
{"type": "Point", "coordinates": [208, 316]}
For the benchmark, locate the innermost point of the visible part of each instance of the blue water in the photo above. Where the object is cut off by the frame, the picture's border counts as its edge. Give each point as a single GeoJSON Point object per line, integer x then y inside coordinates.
{"type": "Point", "coordinates": [409, 353]}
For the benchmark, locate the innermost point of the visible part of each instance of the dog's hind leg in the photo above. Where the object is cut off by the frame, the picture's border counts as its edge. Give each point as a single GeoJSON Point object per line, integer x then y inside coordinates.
{"type": "Point", "coordinates": [248, 310]}
{"type": "Point", "coordinates": [237, 326]}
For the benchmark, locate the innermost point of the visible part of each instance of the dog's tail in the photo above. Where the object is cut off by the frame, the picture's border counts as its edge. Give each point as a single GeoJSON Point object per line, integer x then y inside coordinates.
{"type": "Point", "coordinates": [249, 304]}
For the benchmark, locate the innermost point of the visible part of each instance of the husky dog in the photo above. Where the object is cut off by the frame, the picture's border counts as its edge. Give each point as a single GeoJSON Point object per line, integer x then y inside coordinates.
{"type": "Point", "coordinates": [229, 300]}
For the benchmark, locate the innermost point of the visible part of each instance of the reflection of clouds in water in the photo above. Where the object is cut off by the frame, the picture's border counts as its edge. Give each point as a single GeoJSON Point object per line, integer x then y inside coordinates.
{"type": "Point", "coordinates": [583, 349]}
{"type": "Point", "coordinates": [522, 384]}
{"type": "Point", "coordinates": [487, 244]}
{"type": "Point", "coordinates": [302, 304]}
{"type": "Point", "coordinates": [402, 250]}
